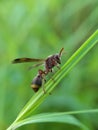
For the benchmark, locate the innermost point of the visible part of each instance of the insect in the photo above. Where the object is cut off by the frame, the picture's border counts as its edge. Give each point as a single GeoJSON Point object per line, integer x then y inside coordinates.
{"type": "Point", "coordinates": [38, 81]}
{"type": "Point", "coordinates": [49, 62]}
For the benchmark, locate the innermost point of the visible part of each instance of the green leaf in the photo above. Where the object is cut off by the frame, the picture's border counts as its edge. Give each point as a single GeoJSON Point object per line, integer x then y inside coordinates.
{"type": "Point", "coordinates": [51, 117]}
{"type": "Point", "coordinates": [39, 97]}
{"type": "Point", "coordinates": [60, 117]}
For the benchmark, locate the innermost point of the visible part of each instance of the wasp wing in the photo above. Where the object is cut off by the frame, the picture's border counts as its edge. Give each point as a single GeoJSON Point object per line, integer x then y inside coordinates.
{"type": "Point", "coordinates": [23, 60]}
{"type": "Point", "coordinates": [36, 65]}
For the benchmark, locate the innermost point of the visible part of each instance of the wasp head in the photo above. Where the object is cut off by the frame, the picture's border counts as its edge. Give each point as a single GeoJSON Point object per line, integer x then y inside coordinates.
{"type": "Point", "coordinates": [57, 58]}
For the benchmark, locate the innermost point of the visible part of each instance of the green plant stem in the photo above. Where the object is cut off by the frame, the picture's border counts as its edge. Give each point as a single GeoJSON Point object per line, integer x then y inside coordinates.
{"type": "Point", "coordinates": [39, 97]}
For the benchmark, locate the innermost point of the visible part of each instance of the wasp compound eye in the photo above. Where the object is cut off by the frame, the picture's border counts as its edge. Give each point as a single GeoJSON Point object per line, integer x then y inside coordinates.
{"type": "Point", "coordinates": [57, 58]}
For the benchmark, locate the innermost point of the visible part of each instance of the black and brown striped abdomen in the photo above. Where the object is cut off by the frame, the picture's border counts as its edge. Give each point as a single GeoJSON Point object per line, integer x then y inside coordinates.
{"type": "Point", "coordinates": [36, 83]}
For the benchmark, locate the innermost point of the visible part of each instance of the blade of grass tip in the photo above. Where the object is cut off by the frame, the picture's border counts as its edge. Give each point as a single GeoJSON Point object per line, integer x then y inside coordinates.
{"type": "Point", "coordinates": [39, 97]}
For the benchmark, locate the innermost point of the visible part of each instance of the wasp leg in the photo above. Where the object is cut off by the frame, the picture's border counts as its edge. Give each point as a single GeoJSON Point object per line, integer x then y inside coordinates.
{"type": "Point", "coordinates": [53, 79]}
{"type": "Point", "coordinates": [44, 81]}
{"type": "Point", "coordinates": [58, 67]}
{"type": "Point", "coordinates": [44, 89]}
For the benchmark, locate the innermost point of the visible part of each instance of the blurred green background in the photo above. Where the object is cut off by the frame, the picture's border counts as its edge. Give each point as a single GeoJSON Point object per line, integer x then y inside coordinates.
{"type": "Point", "coordinates": [38, 28]}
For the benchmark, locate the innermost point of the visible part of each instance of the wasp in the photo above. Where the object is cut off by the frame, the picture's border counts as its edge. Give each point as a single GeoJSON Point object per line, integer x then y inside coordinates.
{"type": "Point", "coordinates": [49, 63]}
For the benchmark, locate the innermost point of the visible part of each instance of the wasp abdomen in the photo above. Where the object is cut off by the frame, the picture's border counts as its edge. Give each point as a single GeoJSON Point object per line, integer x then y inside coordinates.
{"type": "Point", "coordinates": [36, 83]}
{"type": "Point", "coordinates": [35, 87]}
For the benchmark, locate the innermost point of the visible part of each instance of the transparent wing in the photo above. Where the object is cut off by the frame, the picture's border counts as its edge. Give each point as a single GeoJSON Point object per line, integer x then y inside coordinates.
{"type": "Point", "coordinates": [36, 65]}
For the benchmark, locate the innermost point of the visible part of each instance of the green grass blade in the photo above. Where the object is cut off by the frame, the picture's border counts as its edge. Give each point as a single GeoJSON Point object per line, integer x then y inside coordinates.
{"type": "Point", "coordinates": [39, 97]}
{"type": "Point", "coordinates": [51, 117]}
{"type": "Point", "coordinates": [60, 117]}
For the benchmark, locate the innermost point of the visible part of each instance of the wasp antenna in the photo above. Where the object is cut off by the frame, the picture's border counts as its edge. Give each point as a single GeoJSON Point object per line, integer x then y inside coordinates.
{"type": "Point", "coordinates": [61, 52]}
